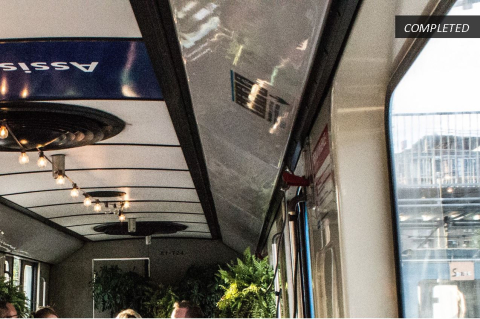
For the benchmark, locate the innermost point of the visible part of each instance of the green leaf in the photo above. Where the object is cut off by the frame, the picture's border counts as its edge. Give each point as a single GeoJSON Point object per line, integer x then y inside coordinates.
{"type": "Point", "coordinates": [246, 294]}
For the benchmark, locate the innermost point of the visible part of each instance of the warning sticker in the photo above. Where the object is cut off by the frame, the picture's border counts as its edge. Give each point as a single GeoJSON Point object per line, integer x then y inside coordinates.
{"type": "Point", "coordinates": [260, 99]}
{"type": "Point", "coordinates": [323, 173]}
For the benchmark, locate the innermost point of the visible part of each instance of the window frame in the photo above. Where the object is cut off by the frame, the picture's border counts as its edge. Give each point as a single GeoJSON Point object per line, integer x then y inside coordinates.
{"type": "Point", "coordinates": [34, 265]}
{"type": "Point", "coordinates": [25, 262]}
{"type": "Point", "coordinates": [416, 47]}
{"type": "Point", "coordinates": [9, 259]}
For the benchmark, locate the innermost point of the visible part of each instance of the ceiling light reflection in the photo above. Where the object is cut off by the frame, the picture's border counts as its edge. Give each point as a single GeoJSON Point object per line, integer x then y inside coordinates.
{"type": "Point", "coordinates": [3, 86]}
{"type": "Point", "coordinates": [427, 217]}
{"type": "Point", "coordinates": [202, 13]}
{"type": "Point", "coordinates": [189, 39]}
{"type": "Point", "coordinates": [303, 45]}
{"type": "Point", "coordinates": [3, 132]}
{"type": "Point", "coordinates": [189, 6]}
{"type": "Point", "coordinates": [128, 91]}
{"type": "Point", "coordinates": [24, 93]}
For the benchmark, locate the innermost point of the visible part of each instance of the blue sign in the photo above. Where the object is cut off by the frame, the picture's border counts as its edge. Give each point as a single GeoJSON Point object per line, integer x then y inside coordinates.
{"type": "Point", "coordinates": [76, 70]}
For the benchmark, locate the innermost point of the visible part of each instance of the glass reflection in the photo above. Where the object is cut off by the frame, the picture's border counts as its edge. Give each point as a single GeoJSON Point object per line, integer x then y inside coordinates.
{"type": "Point", "coordinates": [435, 130]}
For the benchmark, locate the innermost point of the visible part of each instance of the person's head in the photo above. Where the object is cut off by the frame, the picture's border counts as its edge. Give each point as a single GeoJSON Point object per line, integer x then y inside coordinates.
{"type": "Point", "coordinates": [7, 310]}
{"type": "Point", "coordinates": [45, 312]}
{"type": "Point", "coordinates": [186, 309]}
{"type": "Point", "coordinates": [129, 313]}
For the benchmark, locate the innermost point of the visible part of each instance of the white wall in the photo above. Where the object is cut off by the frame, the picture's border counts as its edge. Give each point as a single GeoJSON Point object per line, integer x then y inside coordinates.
{"type": "Point", "coordinates": [360, 157]}
{"type": "Point", "coordinates": [25, 236]}
{"type": "Point", "coordinates": [359, 90]}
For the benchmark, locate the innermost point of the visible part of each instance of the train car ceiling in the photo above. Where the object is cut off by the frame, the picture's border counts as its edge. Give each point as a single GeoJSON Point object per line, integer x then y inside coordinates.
{"type": "Point", "coordinates": [208, 92]}
{"type": "Point", "coordinates": [88, 57]}
{"type": "Point", "coordinates": [247, 64]}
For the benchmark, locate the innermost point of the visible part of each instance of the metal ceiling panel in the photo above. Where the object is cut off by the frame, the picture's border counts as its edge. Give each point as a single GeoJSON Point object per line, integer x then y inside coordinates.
{"type": "Point", "coordinates": [249, 185]}
{"type": "Point", "coordinates": [240, 230]}
{"type": "Point", "coordinates": [247, 64]}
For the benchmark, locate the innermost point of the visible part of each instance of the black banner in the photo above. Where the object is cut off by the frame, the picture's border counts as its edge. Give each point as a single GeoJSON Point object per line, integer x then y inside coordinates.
{"type": "Point", "coordinates": [437, 26]}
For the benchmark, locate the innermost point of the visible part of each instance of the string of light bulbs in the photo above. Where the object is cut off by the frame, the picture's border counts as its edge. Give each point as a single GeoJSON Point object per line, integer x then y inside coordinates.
{"type": "Point", "coordinates": [60, 176]}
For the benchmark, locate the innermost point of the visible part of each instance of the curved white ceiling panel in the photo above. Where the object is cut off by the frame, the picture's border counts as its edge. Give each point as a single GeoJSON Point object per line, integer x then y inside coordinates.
{"type": "Point", "coordinates": [79, 209]}
{"type": "Point", "coordinates": [60, 196]}
{"type": "Point", "coordinates": [67, 18]}
{"type": "Point", "coordinates": [148, 122]}
{"type": "Point", "coordinates": [96, 178]}
{"type": "Point", "coordinates": [104, 156]}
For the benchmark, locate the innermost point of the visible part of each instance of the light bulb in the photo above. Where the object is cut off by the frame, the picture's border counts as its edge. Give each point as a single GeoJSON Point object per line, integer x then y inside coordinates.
{"type": "Point", "coordinates": [87, 201]}
{"type": "Point", "coordinates": [126, 204]}
{"type": "Point", "coordinates": [3, 132]}
{"type": "Point", "coordinates": [23, 159]}
{"type": "Point", "coordinates": [60, 180]}
{"type": "Point", "coordinates": [74, 192]}
{"type": "Point", "coordinates": [121, 217]}
{"type": "Point", "coordinates": [97, 207]}
{"type": "Point", "coordinates": [42, 161]}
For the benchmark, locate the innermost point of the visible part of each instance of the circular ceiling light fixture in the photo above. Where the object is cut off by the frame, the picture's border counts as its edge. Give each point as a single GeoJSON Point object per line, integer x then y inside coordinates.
{"type": "Point", "coordinates": [54, 126]}
{"type": "Point", "coordinates": [142, 228]}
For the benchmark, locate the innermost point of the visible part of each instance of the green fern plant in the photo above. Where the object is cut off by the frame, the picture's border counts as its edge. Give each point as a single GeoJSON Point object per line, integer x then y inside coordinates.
{"type": "Point", "coordinates": [14, 295]}
{"type": "Point", "coordinates": [246, 286]}
{"type": "Point", "coordinates": [160, 302]}
{"type": "Point", "coordinates": [115, 290]}
{"type": "Point", "coordinates": [201, 286]}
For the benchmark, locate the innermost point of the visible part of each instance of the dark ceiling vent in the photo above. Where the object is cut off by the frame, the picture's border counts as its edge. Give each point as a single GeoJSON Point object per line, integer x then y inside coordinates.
{"type": "Point", "coordinates": [143, 228]}
{"type": "Point", "coordinates": [96, 194]}
{"type": "Point", "coordinates": [55, 126]}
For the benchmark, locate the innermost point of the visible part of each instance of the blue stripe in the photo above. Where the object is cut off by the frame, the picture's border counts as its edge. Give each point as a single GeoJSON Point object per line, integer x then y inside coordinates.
{"type": "Point", "coordinates": [309, 265]}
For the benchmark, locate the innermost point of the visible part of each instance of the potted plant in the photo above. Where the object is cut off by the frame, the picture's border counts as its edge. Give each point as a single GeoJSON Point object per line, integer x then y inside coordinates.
{"type": "Point", "coordinates": [246, 285]}
{"type": "Point", "coordinates": [201, 286]}
{"type": "Point", "coordinates": [14, 295]}
{"type": "Point", "coordinates": [159, 301]}
{"type": "Point", "coordinates": [116, 290]}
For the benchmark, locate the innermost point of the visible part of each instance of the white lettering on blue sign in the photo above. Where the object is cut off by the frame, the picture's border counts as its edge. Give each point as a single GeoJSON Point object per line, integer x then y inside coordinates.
{"type": "Point", "coordinates": [43, 66]}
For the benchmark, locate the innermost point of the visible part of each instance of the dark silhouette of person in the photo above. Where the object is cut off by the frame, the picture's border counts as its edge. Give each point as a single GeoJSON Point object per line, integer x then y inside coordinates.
{"type": "Point", "coordinates": [186, 309]}
{"type": "Point", "coordinates": [7, 310]}
{"type": "Point", "coordinates": [45, 312]}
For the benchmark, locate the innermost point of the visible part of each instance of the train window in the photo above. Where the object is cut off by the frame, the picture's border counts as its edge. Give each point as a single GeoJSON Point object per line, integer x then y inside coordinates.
{"type": "Point", "coordinates": [43, 292]}
{"type": "Point", "coordinates": [22, 273]}
{"type": "Point", "coordinates": [16, 271]}
{"type": "Point", "coordinates": [435, 143]}
{"type": "Point", "coordinates": [6, 270]}
{"type": "Point", "coordinates": [28, 283]}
